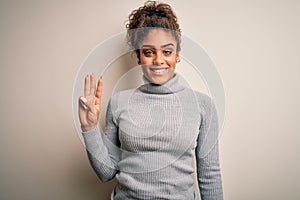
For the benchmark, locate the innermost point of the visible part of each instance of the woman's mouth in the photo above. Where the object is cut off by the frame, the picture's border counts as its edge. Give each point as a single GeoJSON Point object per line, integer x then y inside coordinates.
{"type": "Point", "coordinates": [158, 70]}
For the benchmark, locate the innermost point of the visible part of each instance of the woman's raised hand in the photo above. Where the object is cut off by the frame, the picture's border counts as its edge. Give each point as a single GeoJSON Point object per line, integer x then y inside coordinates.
{"type": "Point", "coordinates": [89, 104]}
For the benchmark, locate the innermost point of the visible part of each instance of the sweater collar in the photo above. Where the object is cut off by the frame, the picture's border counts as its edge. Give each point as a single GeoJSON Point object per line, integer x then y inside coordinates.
{"type": "Point", "coordinates": [169, 87]}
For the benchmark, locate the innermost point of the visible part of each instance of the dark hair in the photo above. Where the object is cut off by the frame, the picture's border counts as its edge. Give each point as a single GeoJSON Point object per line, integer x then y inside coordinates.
{"type": "Point", "coordinates": [152, 15]}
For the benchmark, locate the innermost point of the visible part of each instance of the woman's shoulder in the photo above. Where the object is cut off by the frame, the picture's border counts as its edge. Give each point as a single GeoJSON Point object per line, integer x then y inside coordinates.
{"type": "Point", "coordinates": [204, 102]}
{"type": "Point", "coordinates": [201, 97]}
{"type": "Point", "coordinates": [121, 97]}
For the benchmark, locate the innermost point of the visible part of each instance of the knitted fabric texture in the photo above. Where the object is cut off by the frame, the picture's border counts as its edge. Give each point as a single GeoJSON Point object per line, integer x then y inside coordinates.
{"type": "Point", "coordinates": [151, 137]}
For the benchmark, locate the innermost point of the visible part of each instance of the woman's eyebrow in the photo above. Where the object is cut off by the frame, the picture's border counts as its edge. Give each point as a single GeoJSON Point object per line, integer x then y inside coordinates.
{"type": "Point", "coordinates": [153, 47]}
{"type": "Point", "coordinates": [166, 45]}
{"type": "Point", "coordinates": [148, 46]}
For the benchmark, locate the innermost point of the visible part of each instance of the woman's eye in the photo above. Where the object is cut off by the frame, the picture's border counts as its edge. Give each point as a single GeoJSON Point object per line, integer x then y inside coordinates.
{"type": "Point", "coordinates": [148, 53]}
{"type": "Point", "coordinates": [167, 52]}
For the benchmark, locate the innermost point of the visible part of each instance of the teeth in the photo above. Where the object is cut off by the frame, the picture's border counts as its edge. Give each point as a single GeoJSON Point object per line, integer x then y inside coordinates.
{"type": "Point", "coordinates": [159, 71]}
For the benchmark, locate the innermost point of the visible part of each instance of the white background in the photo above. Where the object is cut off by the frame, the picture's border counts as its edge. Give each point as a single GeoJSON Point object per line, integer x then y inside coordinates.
{"type": "Point", "coordinates": [254, 44]}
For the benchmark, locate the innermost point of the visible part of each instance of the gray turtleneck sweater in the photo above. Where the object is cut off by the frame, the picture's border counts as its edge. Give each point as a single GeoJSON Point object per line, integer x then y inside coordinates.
{"type": "Point", "coordinates": [152, 134]}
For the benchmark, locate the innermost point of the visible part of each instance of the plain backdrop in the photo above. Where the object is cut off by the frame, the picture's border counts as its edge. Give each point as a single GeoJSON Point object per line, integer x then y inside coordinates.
{"type": "Point", "coordinates": [254, 44]}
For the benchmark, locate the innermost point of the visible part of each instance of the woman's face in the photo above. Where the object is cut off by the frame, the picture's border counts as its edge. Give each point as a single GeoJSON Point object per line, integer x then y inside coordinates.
{"type": "Point", "coordinates": [158, 56]}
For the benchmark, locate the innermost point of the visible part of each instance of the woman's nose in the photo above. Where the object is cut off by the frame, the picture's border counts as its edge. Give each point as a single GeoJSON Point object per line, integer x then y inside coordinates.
{"type": "Point", "coordinates": [159, 58]}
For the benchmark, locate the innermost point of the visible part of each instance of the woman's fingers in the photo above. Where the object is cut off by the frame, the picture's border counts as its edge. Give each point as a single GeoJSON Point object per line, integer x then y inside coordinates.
{"type": "Point", "coordinates": [92, 98]}
{"type": "Point", "coordinates": [83, 102]}
{"type": "Point", "coordinates": [98, 95]}
{"type": "Point", "coordinates": [89, 85]}
{"type": "Point", "coordinates": [86, 86]}
{"type": "Point", "coordinates": [99, 88]}
{"type": "Point", "coordinates": [92, 85]}
{"type": "Point", "coordinates": [87, 114]}
{"type": "Point", "coordinates": [87, 104]}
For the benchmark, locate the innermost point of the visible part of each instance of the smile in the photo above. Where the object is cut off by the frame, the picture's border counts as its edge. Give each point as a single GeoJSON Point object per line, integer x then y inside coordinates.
{"type": "Point", "coordinates": [158, 70]}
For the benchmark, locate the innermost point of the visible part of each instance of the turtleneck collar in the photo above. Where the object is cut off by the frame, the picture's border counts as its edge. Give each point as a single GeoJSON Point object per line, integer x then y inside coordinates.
{"type": "Point", "coordinates": [169, 87]}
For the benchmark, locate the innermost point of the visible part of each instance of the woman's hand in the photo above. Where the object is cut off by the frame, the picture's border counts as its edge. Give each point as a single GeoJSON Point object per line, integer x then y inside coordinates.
{"type": "Point", "coordinates": [89, 105]}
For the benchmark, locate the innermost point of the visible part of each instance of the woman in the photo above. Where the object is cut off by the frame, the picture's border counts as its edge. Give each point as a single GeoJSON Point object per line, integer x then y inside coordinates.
{"type": "Point", "coordinates": [153, 132]}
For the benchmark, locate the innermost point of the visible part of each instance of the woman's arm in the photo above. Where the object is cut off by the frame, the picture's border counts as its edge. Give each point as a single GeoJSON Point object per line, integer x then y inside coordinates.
{"type": "Point", "coordinates": [207, 154]}
{"type": "Point", "coordinates": [104, 153]}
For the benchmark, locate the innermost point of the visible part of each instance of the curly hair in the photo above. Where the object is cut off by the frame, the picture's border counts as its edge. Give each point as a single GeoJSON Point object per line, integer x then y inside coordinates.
{"type": "Point", "coordinates": [152, 15]}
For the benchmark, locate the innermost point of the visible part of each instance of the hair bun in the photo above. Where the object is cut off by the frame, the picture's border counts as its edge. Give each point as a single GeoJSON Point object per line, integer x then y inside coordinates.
{"type": "Point", "coordinates": [158, 13]}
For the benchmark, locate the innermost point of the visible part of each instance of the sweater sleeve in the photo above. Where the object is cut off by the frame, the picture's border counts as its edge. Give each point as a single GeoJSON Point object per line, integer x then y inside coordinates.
{"type": "Point", "coordinates": [104, 152]}
{"type": "Point", "coordinates": [207, 154]}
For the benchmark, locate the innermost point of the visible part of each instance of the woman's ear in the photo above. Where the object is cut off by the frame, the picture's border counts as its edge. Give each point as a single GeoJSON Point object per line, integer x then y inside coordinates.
{"type": "Point", "coordinates": [177, 58]}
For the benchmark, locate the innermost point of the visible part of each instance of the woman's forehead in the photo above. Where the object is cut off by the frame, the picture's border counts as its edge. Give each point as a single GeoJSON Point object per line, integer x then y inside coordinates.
{"type": "Point", "coordinates": [159, 38]}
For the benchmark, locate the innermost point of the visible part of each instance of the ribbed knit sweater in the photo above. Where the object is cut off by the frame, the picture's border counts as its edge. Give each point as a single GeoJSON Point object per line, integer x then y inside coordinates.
{"type": "Point", "coordinates": [151, 137]}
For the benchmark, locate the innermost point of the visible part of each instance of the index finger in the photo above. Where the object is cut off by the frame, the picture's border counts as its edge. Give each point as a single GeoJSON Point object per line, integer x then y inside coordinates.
{"type": "Point", "coordinates": [99, 88]}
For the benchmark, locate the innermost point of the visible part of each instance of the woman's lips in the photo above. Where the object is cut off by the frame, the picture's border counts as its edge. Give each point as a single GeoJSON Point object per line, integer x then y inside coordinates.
{"type": "Point", "coordinates": [158, 70]}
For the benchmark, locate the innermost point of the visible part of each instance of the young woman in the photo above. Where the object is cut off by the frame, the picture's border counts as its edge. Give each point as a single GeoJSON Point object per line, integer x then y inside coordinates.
{"type": "Point", "coordinates": [153, 132]}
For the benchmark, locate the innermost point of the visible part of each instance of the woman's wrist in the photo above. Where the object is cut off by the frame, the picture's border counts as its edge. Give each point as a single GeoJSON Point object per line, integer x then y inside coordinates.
{"type": "Point", "coordinates": [88, 128]}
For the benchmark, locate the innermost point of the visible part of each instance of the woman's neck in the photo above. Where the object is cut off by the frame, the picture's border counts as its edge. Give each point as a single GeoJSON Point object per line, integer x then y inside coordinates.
{"type": "Point", "coordinates": [169, 87]}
